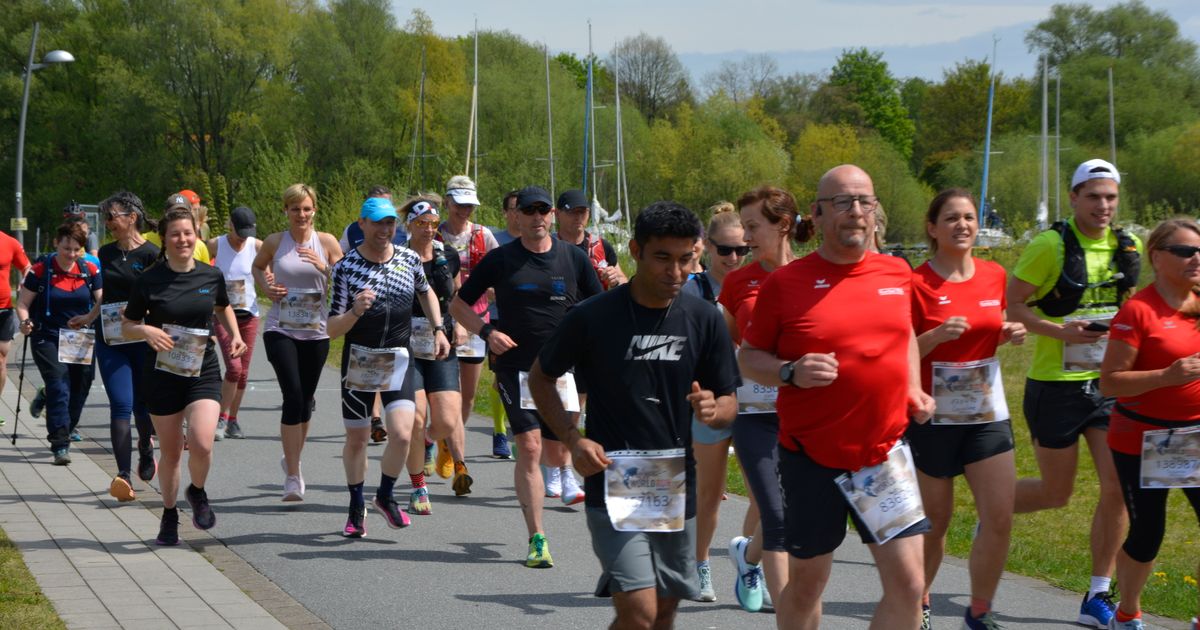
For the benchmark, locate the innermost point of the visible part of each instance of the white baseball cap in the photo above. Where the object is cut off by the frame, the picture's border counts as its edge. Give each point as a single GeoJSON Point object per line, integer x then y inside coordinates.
{"type": "Point", "coordinates": [461, 189]}
{"type": "Point", "coordinates": [1094, 169]}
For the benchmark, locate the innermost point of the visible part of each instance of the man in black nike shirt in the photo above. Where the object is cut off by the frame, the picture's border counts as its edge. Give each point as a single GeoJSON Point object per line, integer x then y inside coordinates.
{"type": "Point", "coordinates": [651, 357]}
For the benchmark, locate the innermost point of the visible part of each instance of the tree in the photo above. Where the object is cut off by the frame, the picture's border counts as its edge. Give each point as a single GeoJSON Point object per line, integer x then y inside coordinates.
{"type": "Point", "coordinates": [752, 77]}
{"type": "Point", "coordinates": [864, 80]}
{"type": "Point", "coordinates": [651, 74]}
{"type": "Point", "coordinates": [1128, 29]}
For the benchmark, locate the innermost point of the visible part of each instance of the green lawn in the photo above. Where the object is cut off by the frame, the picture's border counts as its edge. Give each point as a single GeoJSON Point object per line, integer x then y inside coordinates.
{"type": "Point", "coordinates": [22, 604]}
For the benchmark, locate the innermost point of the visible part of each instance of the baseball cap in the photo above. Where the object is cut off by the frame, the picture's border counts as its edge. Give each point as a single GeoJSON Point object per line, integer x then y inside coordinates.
{"type": "Point", "coordinates": [530, 195]}
{"type": "Point", "coordinates": [192, 198]}
{"type": "Point", "coordinates": [378, 209]}
{"type": "Point", "coordinates": [461, 189]}
{"type": "Point", "coordinates": [1094, 169]}
{"type": "Point", "coordinates": [243, 221]}
{"type": "Point", "coordinates": [177, 202]}
{"type": "Point", "coordinates": [72, 208]}
{"type": "Point", "coordinates": [571, 199]}
{"type": "Point", "coordinates": [420, 209]}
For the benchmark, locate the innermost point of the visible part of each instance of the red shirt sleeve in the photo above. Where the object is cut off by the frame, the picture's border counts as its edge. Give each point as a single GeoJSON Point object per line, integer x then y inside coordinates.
{"type": "Point", "coordinates": [1129, 323]}
{"type": "Point", "coordinates": [762, 331]}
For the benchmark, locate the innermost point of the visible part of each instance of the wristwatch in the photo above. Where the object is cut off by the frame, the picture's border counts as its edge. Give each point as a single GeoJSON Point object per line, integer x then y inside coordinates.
{"type": "Point", "coordinates": [786, 372]}
{"type": "Point", "coordinates": [441, 329]}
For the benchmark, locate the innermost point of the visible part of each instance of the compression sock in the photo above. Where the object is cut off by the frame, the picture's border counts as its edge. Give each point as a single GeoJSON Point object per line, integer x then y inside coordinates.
{"type": "Point", "coordinates": [386, 483]}
{"type": "Point", "coordinates": [498, 416]}
{"type": "Point", "coordinates": [1099, 585]}
{"type": "Point", "coordinates": [980, 606]}
{"type": "Point", "coordinates": [356, 495]}
{"type": "Point", "coordinates": [1122, 617]}
{"type": "Point", "coordinates": [418, 480]}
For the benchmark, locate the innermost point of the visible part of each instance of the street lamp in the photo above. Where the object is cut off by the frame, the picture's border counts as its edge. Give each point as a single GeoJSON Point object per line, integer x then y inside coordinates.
{"type": "Point", "coordinates": [52, 57]}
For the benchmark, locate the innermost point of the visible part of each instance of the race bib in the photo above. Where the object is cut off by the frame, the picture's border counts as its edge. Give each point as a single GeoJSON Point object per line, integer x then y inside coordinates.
{"type": "Point", "coordinates": [755, 398]}
{"type": "Point", "coordinates": [422, 339]}
{"type": "Point", "coordinates": [971, 392]}
{"type": "Point", "coordinates": [240, 295]}
{"type": "Point", "coordinates": [646, 491]}
{"type": "Point", "coordinates": [1171, 458]}
{"type": "Point", "coordinates": [1085, 357]}
{"type": "Point", "coordinates": [376, 369]}
{"type": "Point", "coordinates": [301, 309]}
{"type": "Point", "coordinates": [885, 497]}
{"type": "Point", "coordinates": [76, 346]}
{"type": "Point", "coordinates": [566, 392]}
{"type": "Point", "coordinates": [186, 357]}
{"type": "Point", "coordinates": [110, 322]}
{"type": "Point", "coordinates": [475, 348]}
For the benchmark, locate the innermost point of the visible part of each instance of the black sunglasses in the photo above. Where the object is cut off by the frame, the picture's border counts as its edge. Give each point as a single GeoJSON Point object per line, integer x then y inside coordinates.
{"type": "Point", "coordinates": [1182, 251]}
{"type": "Point", "coordinates": [725, 250]}
{"type": "Point", "coordinates": [532, 210]}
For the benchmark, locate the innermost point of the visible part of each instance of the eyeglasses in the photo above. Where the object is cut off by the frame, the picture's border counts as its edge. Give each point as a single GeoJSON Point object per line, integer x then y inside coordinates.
{"type": "Point", "coordinates": [1182, 251]}
{"type": "Point", "coordinates": [532, 210]}
{"type": "Point", "coordinates": [725, 250]}
{"type": "Point", "coordinates": [843, 203]}
{"type": "Point", "coordinates": [109, 216]}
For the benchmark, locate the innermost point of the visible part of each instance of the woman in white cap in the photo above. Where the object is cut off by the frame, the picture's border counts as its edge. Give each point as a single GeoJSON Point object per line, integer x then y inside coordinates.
{"type": "Point", "coordinates": [234, 255]}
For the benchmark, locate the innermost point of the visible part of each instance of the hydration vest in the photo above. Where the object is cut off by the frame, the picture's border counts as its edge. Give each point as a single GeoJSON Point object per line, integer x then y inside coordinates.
{"type": "Point", "coordinates": [595, 253]}
{"type": "Point", "coordinates": [1067, 293]}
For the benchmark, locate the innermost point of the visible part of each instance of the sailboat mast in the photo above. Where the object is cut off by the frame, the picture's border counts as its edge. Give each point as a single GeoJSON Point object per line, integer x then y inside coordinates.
{"type": "Point", "coordinates": [987, 139]}
{"type": "Point", "coordinates": [592, 122]}
{"type": "Point", "coordinates": [549, 122]}
{"type": "Point", "coordinates": [1112, 119]}
{"type": "Point", "coordinates": [1057, 147]}
{"type": "Point", "coordinates": [1044, 197]}
{"type": "Point", "coordinates": [474, 105]}
{"type": "Point", "coordinates": [622, 178]}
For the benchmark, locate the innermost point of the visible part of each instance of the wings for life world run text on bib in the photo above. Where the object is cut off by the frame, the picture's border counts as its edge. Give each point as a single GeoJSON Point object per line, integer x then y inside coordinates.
{"type": "Point", "coordinates": [422, 340]}
{"type": "Point", "coordinates": [646, 491]}
{"type": "Point", "coordinates": [885, 496]}
{"type": "Point", "coordinates": [565, 385]}
{"type": "Point", "coordinates": [186, 357]}
{"type": "Point", "coordinates": [110, 322]}
{"type": "Point", "coordinates": [301, 309]}
{"type": "Point", "coordinates": [1171, 458]}
{"type": "Point", "coordinates": [968, 392]}
{"type": "Point", "coordinates": [76, 346]}
{"type": "Point", "coordinates": [1086, 357]}
{"type": "Point", "coordinates": [376, 369]}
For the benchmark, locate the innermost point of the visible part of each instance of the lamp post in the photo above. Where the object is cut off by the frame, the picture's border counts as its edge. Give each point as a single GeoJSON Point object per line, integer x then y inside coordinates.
{"type": "Point", "coordinates": [52, 57]}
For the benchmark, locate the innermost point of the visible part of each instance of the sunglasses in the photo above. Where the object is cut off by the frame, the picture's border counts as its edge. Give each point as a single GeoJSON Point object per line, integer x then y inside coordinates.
{"type": "Point", "coordinates": [109, 216]}
{"type": "Point", "coordinates": [530, 211]}
{"type": "Point", "coordinates": [1182, 251]}
{"type": "Point", "coordinates": [725, 250]}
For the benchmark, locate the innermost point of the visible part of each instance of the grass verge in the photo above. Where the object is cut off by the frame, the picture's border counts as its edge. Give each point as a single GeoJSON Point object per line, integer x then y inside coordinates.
{"type": "Point", "coordinates": [22, 604]}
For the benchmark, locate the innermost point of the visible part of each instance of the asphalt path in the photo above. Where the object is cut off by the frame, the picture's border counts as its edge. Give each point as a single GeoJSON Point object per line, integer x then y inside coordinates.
{"type": "Point", "coordinates": [463, 566]}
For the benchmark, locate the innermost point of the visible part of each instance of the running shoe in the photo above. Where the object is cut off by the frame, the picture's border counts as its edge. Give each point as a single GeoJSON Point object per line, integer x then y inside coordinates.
{"type": "Point", "coordinates": [356, 526]}
{"type": "Point", "coordinates": [121, 490]}
{"type": "Point", "coordinates": [147, 467]}
{"type": "Point", "coordinates": [707, 593]}
{"type": "Point", "coordinates": [391, 512]}
{"type": "Point", "coordinates": [76, 436]}
{"type": "Point", "coordinates": [292, 491]}
{"type": "Point", "coordinates": [62, 456]}
{"type": "Point", "coordinates": [553, 481]}
{"type": "Point", "coordinates": [986, 621]}
{"type": "Point", "coordinates": [925, 624]}
{"type": "Point", "coordinates": [462, 480]}
{"type": "Point", "coordinates": [1096, 611]}
{"type": "Point", "coordinates": [168, 528]}
{"type": "Point", "coordinates": [202, 514]}
{"type": "Point", "coordinates": [571, 492]}
{"type": "Point", "coordinates": [539, 553]}
{"type": "Point", "coordinates": [1132, 624]}
{"type": "Point", "coordinates": [500, 448]}
{"type": "Point", "coordinates": [233, 430]}
{"type": "Point", "coordinates": [428, 459]}
{"type": "Point", "coordinates": [418, 502]}
{"type": "Point", "coordinates": [222, 424]}
{"type": "Point", "coordinates": [1195, 624]}
{"type": "Point", "coordinates": [3, 422]}
{"type": "Point", "coordinates": [748, 587]}
{"type": "Point", "coordinates": [445, 463]}
{"type": "Point", "coordinates": [378, 433]}
{"type": "Point", "coordinates": [38, 403]}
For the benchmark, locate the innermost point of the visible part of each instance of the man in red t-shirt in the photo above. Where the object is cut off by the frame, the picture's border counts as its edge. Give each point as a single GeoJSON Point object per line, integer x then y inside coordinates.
{"type": "Point", "coordinates": [12, 257]}
{"type": "Point", "coordinates": [833, 331]}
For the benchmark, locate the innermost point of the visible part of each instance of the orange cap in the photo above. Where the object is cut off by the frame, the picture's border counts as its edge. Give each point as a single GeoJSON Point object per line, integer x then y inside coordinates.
{"type": "Point", "coordinates": [192, 197]}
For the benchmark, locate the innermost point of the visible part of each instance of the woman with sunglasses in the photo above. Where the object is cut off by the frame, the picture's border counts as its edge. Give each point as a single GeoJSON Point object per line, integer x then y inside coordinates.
{"type": "Point", "coordinates": [769, 218]}
{"type": "Point", "coordinates": [120, 359]}
{"type": "Point", "coordinates": [725, 242]}
{"type": "Point", "coordinates": [1152, 366]}
{"type": "Point", "coordinates": [435, 381]}
{"type": "Point", "coordinates": [959, 316]}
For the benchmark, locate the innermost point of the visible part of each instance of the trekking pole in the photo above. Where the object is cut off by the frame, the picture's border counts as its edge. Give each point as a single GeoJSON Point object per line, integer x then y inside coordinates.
{"type": "Point", "coordinates": [20, 383]}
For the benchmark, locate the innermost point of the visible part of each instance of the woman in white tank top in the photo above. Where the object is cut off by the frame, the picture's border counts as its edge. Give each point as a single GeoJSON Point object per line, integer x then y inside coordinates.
{"type": "Point", "coordinates": [233, 254]}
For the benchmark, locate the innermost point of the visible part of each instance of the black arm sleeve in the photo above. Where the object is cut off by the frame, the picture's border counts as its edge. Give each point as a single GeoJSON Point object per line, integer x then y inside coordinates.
{"type": "Point", "coordinates": [610, 254]}
{"type": "Point", "coordinates": [483, 277]}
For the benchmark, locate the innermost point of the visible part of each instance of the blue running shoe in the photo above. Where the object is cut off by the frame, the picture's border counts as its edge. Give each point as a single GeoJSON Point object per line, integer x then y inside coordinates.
{"type": "Point", "coordinates": [749, 586]}
{"type": "Point", "coordinates": [500, 448]}
{"type": "Point", "coordinates": [986, 621]}
{"type": "Point", "coordinates": [1096, 611]}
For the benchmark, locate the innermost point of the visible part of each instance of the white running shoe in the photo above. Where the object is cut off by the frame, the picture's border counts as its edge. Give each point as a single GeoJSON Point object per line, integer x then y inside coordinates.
{"type": "Point", "coordinates": [553, 481]}
{"type": "Point", "coordinates": [293, 485]}
{"type": "Point", "coordinates": [571, 492]}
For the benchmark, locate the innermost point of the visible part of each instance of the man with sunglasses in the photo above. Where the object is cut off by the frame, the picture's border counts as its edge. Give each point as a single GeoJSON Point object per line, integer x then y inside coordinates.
{"type": "Point", "coordinates": [536, 279]}
{"type": "Point", "coordinates": [1066, 286]}
{"type": "Point", "coordinates": [573, 213]}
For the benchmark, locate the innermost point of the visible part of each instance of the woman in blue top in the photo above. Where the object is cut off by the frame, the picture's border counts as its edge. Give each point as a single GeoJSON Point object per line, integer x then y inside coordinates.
{"type": "Point", "coordinates": [56, 297]}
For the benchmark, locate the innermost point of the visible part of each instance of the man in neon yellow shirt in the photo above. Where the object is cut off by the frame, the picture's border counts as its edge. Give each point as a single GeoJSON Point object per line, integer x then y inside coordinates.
{"type": "Point", "coordinates": [1067, 284]}
{"type": "Point", "coordinates": [201, 251]}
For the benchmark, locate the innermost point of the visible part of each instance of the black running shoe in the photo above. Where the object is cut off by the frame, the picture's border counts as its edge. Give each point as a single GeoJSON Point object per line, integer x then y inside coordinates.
{"type": "Point", "coordinates": [202, 514]}
{"type": "Point", "coordinates": [378, 433]}
{"type": "Point", "coordinates": [168, 528]}
{"type": "Point", "coordinates": [233, 430]}
{"type": "Point", "coordinates": [39, 403]}
{"type": "Point", "coordinates": [355, 527]}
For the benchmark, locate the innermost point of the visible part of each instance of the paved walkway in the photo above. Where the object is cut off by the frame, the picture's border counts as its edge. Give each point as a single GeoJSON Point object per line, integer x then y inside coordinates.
{"type": "Point", "coordinates": [268, 564]}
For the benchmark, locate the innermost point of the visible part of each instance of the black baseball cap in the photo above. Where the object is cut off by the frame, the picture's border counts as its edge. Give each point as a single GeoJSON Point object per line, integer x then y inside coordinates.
{"type": "Point", "coordinates": [571, 199]}
{"type": "Point", "coordinates": [243, 221]}
{"type": "Point", "coordinates": [530, 196]}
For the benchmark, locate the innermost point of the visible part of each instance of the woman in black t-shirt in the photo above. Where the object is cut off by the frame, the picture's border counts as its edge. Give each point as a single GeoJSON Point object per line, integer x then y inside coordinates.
{"type": "Point", "coordinates": [120, 360]}
{"type": "Point", "coordinates": [171, 307]}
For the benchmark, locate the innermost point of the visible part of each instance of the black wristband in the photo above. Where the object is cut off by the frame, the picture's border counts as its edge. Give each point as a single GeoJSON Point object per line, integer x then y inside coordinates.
{"type": "Point", "coordinates": [486, 331]}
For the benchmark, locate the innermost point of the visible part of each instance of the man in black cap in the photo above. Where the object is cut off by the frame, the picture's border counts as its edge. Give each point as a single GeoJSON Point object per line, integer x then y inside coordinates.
{"type": "Point", "coordinates": [573, 213]}
{"type": "Point", "coordinates": [536, 280]}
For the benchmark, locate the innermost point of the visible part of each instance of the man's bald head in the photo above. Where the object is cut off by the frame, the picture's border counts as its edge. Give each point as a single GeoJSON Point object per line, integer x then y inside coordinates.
{"type": "Point", "coordinates": [845, 179]}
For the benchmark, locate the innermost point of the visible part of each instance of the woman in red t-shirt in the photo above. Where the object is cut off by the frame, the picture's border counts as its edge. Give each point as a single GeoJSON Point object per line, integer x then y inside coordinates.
{"type": "Point", "coordinates": [1152, 366]}
{"type": "Point", "coordinates": [959, 318]}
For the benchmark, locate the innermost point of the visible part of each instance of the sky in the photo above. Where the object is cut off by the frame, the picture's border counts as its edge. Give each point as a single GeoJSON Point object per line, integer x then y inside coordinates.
{"type": "Point", "coordinates": [918, 39]}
